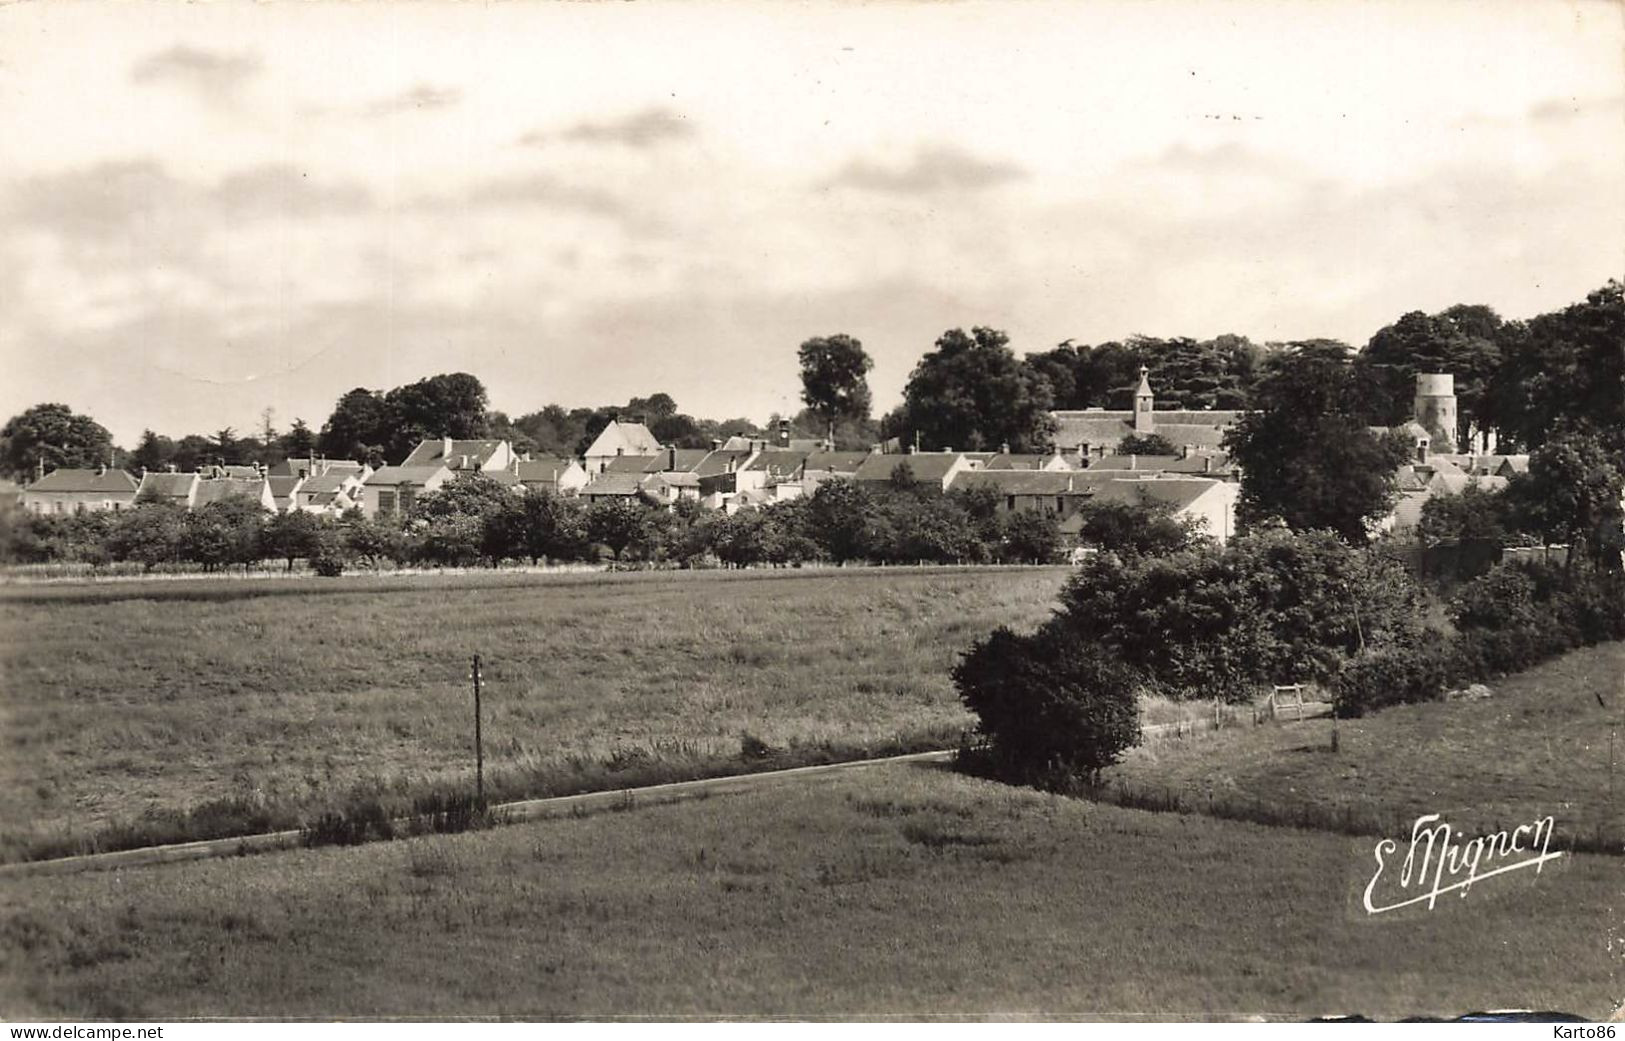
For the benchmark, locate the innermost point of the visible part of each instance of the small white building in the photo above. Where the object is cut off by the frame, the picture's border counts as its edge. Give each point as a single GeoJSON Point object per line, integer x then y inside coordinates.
{"type": "Point", "coordinates": [394, 489]}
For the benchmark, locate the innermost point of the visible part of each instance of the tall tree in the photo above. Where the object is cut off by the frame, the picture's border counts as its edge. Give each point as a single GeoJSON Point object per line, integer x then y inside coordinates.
{"type": "Point", "coordinates": [449, 405]}
{"type": "Point", "coordinates": [153, 452]}
{"type": "Point", "coordinates": [1462, 341]}
{"type": "Point", "coordinates": [55, 435]}
{"type": "Point", "coordinates": [835, 379]}
{"type": "Point", "coordinates": [1566, 364]}
{"type": "Point", "coordinates": [358, 427]}
{"type": "Point", "coordinates": [1305, 457]}
{"type": "Point", "coordinates": [299, 441]}
{"type": "Point", "coordinates": [1572, 492]}
{"type": "Point", "coordinates": [971, 393]}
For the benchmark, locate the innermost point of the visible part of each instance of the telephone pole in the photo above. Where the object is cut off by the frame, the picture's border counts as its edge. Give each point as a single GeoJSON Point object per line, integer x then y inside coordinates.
{"type": "Point", "coordinates": [479, 746]}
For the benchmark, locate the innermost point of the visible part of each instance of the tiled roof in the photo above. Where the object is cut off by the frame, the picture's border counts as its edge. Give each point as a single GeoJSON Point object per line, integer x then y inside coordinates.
{"type": "Point", "coordinates": [313, 466]}
{"type": "Point", "coordinates": [634, 464]}
{"type": "Point", "coordinates": [1021, 482]}
{"type": "Point", "coordinates": [1457, 483]}
{"type": "Point", "coordinates": [926, 466]}
{"type": "Point", "coordinates": [674, 479]}
{"type": "Point", "coordinates": [327, 482]}
{"type": "Point", "coordinates": [613, 484]}
{"type": "Point", "coordinates": [545, 470]}
{"type": "Point", "coordinates": [717, 462]}
{"type": "Point", "coordinates": [1177, 492]}
{"type": "Point", "coordinates": [433, 451]}
{"type": "Point", "coordinates": [1020, 461]}
{"type": "Point", "coordinates": [390, 475]}
{"type": "Point", "coordinates": [1134, 462]}
{"type": "Point", "coordinates": [106, 482]}
{"type": "Point", "coordinates": [156, 484]}
{"type": "Point", "coordinates": [836, 462]}
{"type": "Point", "coordinates": [282, 487]}
{"type": "Point", "coordinates": [220, 489]}
{"type": "Point", "coordinates": [1109, 426]}
{"type": "Point", "coordinates": [780, 461]}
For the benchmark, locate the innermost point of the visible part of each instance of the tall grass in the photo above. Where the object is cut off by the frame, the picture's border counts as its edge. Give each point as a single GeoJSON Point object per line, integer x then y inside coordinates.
{"type": "Point", "coordinates": [196, 709]}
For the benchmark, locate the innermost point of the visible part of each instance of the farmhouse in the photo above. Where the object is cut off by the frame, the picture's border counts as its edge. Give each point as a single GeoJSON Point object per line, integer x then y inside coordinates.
{"type": "Point", "coordinates": [177, 489]}
{"type": "Point", "coordinates": [618, 439]}
{"type": "Point", "coordinates": [225, 489]}
{"type": "Point", "coordinates": [394, 489]}
{"type": "Point", "coordinates": [80, 491]}
{"type": "Point", "coordinates": [931, 469]}
{"type": "Point", "coordinates": [461, 456]}
{"type": "Point", "coordinates": [550, 473]}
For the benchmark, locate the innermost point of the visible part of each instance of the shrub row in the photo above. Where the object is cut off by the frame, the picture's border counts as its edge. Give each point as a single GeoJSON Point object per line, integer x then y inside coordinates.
{"type": "Point", "coordinates": [1516, 616]}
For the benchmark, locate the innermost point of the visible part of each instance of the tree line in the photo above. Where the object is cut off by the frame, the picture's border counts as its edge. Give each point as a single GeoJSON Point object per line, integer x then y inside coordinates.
{"type": "Point", "coordinates": [970, 391]}
{"type": "Point", "coordinates": [474, 520]}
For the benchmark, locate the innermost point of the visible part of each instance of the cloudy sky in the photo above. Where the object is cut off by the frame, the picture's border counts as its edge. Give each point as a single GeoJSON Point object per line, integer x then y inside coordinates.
{"type": "Point", "coordinates": [207, 210]}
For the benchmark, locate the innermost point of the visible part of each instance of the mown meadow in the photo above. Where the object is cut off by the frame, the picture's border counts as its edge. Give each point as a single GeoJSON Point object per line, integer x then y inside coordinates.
{"type": "Point", "coordinates": [155, 711]}
{"type": "Point", "coordinates": [1550, 740]}
{"type": "Point", "coordinates": [895, 890]}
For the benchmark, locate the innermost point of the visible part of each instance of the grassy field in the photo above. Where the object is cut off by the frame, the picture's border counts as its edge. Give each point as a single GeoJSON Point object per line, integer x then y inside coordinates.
{"type": "Point", "coordinates": [269, 700]}
{"type": "Point", "coordinates": [1540, 745]}
{"type": "Point", "coordinates": [897, 890]}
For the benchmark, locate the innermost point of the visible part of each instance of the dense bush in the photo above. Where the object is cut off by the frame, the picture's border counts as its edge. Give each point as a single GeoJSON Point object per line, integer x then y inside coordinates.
{"type": "Point", "coordinates": [1520, 614]}
{"type": "Point", "coordinates": [1513, 618]}
{"type": "Point", "coordinates": [1391, 675]}
{"type": "Point", "coordinates": [1273, 607]}
{"type": "Point", "coordinates": [1052, 711]}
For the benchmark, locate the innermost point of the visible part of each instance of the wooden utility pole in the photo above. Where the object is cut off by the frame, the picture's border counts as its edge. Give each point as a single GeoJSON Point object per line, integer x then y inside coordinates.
{"type": "Point", "coordinates": [479, 746]}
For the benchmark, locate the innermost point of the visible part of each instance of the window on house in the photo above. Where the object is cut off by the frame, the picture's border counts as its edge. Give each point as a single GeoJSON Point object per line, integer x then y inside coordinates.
{"type": "Point", "coordinates": [408, 496]}
{"type": "Point", "coordinates": [386, 502]}
{"type": "Point", "coordinates": [1058, 504]}
{"type": "Point", "coordinates": [1010, 502]}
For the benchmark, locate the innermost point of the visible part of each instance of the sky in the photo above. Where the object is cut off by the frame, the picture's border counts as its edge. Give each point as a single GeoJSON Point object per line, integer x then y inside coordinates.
{"type": "Point", "coordinates": [208, 210]}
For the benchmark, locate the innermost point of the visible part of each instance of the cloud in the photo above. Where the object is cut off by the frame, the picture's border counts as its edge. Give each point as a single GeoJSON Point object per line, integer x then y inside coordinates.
{"type": "Point", "coordinates": [417, 99]}
{"type": "Point", "coordinates": [645, 129]}
{"type": "Point", "coordinates": [108, 201]}
{"type": "Point", "coordinates": [934, 169]}
{"type": "Point", "coordinates": [213, 74]}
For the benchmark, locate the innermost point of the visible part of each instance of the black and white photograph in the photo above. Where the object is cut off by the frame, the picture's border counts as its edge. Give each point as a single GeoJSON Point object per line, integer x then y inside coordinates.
{"type": "Point", "coordinates": [701, 511]}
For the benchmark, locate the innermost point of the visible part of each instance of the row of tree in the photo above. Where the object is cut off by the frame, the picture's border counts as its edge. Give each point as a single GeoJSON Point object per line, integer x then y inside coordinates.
{"type": "Point", "coordinates": [970, 392]}
{"type": "Point", "coordinates": [474, 520]}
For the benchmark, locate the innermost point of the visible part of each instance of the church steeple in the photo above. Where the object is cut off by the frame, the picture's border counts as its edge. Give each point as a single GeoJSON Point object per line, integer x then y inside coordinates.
{"type": "Point", "coordinates": [1144, 415]}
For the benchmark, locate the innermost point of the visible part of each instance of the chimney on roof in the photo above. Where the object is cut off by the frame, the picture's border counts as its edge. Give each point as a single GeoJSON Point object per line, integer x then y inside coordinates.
{"type": "Point", "coordinates": [445, 447]}
{"type": "Point", "coordinates": [1207, 464]}
{"type": "Point", "coordinates": [913, 448]}
{"type": "Point", "coordinates": [1184, 451]}
{"type": "Point", "coordinates": [39, 469]}
{"type": "Point", "coordinates": [1133, 461]}
{"type": "Point", "coordinates": [716, 444]}
{"type": "Point", "coordinates": [1004, 448]}
{"type": "Point", "coordinates": [671, 458]}
{"type": "Point", "coordinates": [101, 468]}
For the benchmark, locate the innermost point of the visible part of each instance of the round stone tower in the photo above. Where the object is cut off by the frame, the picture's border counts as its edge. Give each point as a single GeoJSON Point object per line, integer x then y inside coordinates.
{"type": "Point", "coordinates": [1435, 408]}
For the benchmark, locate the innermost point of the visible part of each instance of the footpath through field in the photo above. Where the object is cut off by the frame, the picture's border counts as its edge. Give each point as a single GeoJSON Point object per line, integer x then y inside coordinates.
{"type": "Point", "coordinates": [517, 812]}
